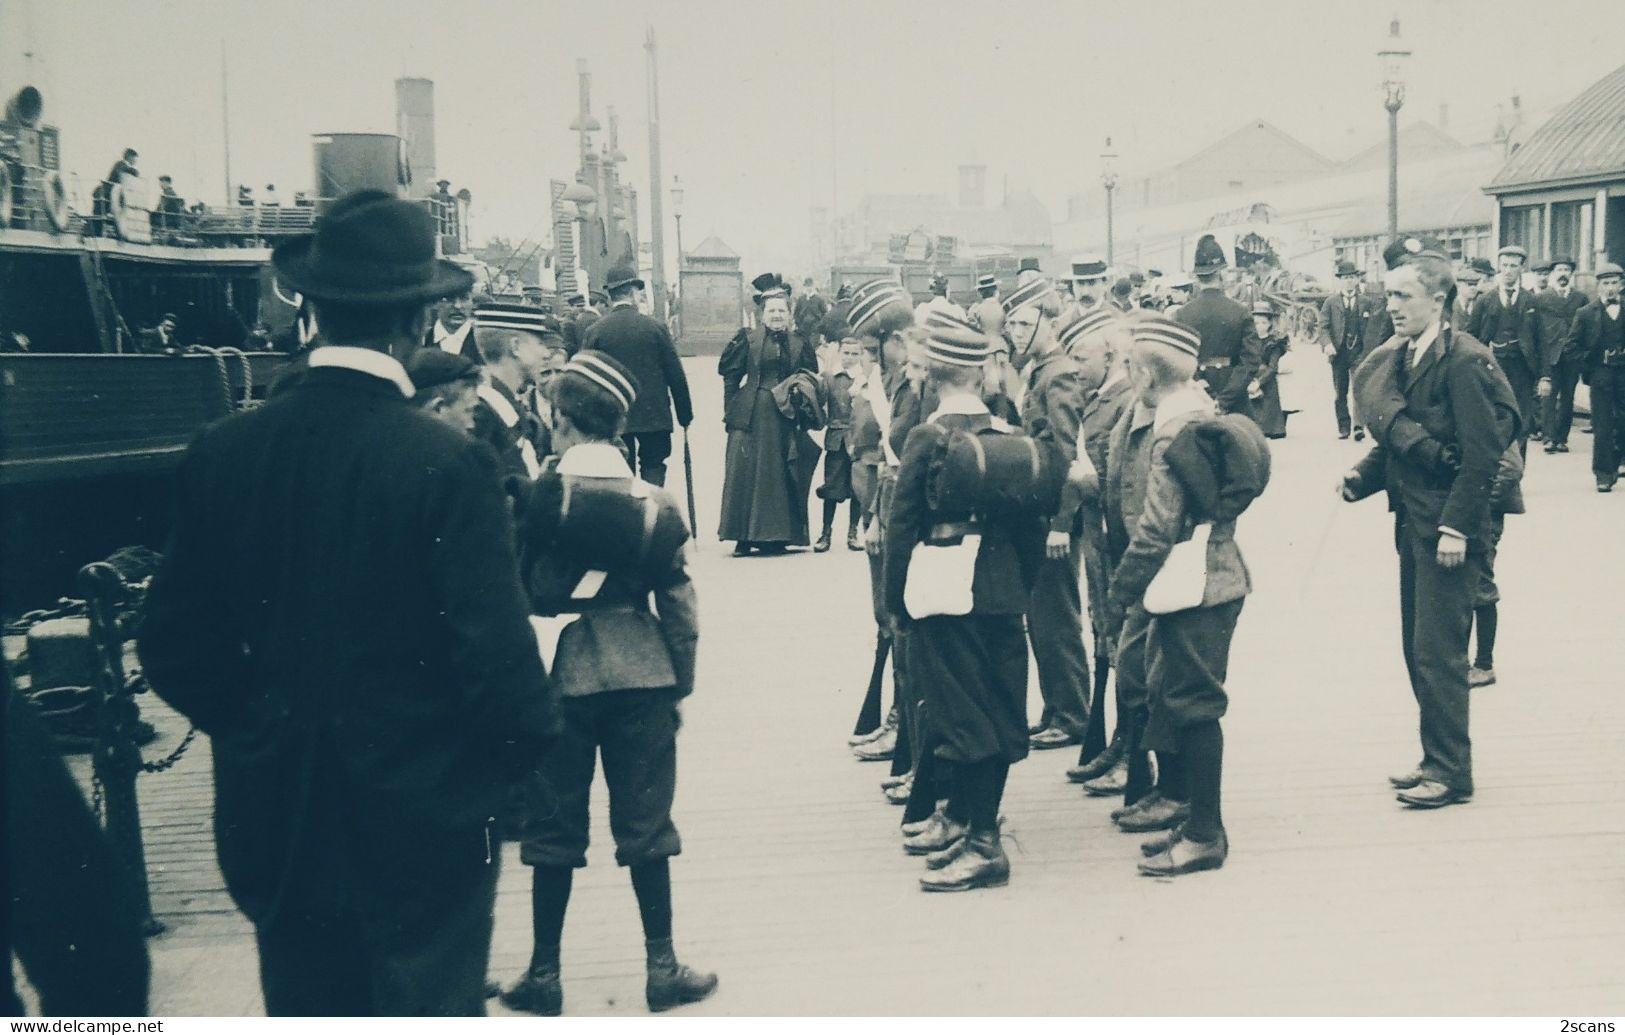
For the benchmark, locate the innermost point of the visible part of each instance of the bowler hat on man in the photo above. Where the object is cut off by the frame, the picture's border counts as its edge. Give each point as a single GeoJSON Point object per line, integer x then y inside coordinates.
{"type": "Point", "coordinates": [620, 276]}
{"type": "Point", "coordinates": [1346, 268]}
{"type": "Point", "coordinates": [370, 248]}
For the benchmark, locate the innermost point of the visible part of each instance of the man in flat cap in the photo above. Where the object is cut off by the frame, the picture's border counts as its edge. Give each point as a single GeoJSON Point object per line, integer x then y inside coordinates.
{"type": "Point", "coordinates": [1052, 413]}
{"type": "Point", "coordinates": [644, 346]}
{"type": "Point", "coordinates": [1560, 371]}
{"type": "Point", "coordinates": [1597, 343]}
{"type": "Point", "coordinates": [1506, 319]}
{"type": "Point", "coordinates": [447, 387]}
{"type": "Point", "coordinates": [366, 671]}
{"type": "Point", "coordinates": [1442, 415]}
{"type": "Point", "coordinates": [1231, 353]}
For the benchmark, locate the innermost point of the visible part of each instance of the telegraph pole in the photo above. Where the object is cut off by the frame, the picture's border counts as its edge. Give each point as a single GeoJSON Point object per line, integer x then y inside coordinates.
{"type": "Point", "coordinates": [657, 218]}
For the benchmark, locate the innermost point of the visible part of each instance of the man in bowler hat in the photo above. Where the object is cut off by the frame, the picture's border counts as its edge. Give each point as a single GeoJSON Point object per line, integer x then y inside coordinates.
{"type": "Point", "coordinates": [339, 609]}
{"type": "Point", "coordinates": [644, 346]}
{"type": "Point", "coordinates": [1343, 319]}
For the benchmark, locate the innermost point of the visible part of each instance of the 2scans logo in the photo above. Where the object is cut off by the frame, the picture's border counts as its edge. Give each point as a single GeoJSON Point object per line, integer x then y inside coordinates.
{"type": "Point", "coordinates": [1587, 1026]}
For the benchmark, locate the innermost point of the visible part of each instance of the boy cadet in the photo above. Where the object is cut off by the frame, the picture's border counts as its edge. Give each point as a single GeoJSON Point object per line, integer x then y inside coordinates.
{"type": "Point", "coordinates": [512, 344]}
{"type": "Point", "coordinates": [972, 664]}
{"type": "Point", "coordinates": [1442, 414]}
{"type": "Point", "coordinates": [595, 539]}
{"type": "Point", "coordinates": [841, 386]}
{"type": "Point", "coordinates": [1051, 412]}
{"type": "Point", "coordinates": [1100, 343]}
{"type": "Point", "coordinates": [447, 387]}
{"type": "Point", "coordinates": [1200, 472]}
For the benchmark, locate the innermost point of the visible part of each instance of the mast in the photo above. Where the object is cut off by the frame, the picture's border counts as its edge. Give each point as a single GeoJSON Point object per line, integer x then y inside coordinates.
{"type": "Point", "coordinates": [657, 220]}
{"type": "Point", "coordinates": [225, 123]}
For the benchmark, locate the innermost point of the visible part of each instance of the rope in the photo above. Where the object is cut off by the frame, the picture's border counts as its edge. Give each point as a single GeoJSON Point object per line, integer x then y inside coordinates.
{"type": "Point", "coordinates": [220, 354]}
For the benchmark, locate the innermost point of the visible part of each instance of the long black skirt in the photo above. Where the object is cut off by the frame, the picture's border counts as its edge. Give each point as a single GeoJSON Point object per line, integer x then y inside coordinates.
{"type": "Point", "coordinates": [767, 479]}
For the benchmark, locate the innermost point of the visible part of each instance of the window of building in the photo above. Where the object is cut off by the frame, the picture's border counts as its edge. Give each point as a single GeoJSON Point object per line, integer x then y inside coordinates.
{"type": "Point", "coordinates": [1520, 225]}
{"type": "Point", "coordinates": [1571, 230]}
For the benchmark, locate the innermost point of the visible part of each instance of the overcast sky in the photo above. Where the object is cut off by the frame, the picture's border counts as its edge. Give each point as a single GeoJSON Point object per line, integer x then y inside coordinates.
{"type": "Point", "coordinates": [749, 91]}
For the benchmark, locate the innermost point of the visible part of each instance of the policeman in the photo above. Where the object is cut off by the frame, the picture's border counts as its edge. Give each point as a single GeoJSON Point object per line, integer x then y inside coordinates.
{"type": "Point", "coordinates": [1052, 412]}
{"type": "Point", "coordinates": [1230, 353]}
{"type": "Point", "coordinates": [597, 541]}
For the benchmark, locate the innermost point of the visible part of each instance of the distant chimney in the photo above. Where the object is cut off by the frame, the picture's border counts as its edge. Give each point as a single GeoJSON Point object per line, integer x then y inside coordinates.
{"type": "Point", "coordinates": [414, 124]}
{"type": "Point", "coordinates": [972, 185]}
{"type": "Point", "coordinates": [1444, 118]}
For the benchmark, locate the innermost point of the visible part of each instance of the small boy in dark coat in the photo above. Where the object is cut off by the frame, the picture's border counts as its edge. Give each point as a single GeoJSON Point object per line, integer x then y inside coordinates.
{"type": "Point", "coordinates": [841, 387]}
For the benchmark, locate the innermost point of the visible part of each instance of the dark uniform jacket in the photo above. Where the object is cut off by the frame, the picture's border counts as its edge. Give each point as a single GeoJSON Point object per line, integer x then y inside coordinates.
{"type": "Point", "coordinates": [837, 388]}
{"type": "Point", "coordinates": [1587, 340]}
{"type": "Point", "coordinates": [1012, 547]}
{"type": "Point", "coordinates": [1557, 313]}
{"type": "Point", "coordinates": [1439, 463]}
{"type": "Point", "coordinates": [1229, 354]}
{"type": "Point", "coordinates": [618, 643]}
{"type": "Point", "coordinates": [644, 346]}
{"type": "Point", "coordinates": [1052, 413]}
{"type": "Point", "coordinates": [340, 602]}
{"type": "Point", "coordinates": [1492, 325]}
{"type": "Point", "coordinates": [512, 431]}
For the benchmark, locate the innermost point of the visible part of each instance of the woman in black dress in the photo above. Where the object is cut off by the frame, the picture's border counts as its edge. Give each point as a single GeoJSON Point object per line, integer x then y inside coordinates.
{"type": "Point", "coordinates": [770, 460]}
{"type": "Point", "coordinates": [1265, 390]}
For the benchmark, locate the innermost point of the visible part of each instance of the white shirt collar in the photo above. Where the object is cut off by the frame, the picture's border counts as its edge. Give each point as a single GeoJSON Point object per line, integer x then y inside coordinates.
{"type": "Point", "coordinates": [1189, 399]}
{"type": "Point", "coordinates": [367, 361]}
{"type": "Point", "coordinates": [499, 404]}
{"type": "Point", "coordinates": [962, 405]}
{"type": "Point", "coordinates": [1423, 340]}
{"type": "Point", "coordinates": [594, 460]}
{"type": "Point", "coordinates": [452, 341]}
{"type": "Point", "coordinates": [1114, 375]}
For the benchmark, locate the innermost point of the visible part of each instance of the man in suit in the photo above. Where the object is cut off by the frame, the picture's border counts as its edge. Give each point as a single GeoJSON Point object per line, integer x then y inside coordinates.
{"type": "Point", "coordinates": [644, 346]}
{"type": "Point", "coordinates": [339, 609]}
{"type": "Point", "coordinates": [1343, 319]}
{"type": "Point", "coordinates": [1558, 305]}
{"type": "Point", "coordinates": [512, 343]}
{"type": "Point", "coordinates": [1231, 353]}
{"type": "Point", "coordinates": [1442, 414]}
{"type": "Point", "coordinates": [1469, 279]}
{"type": "Point", "coordinates": [1052, 413]}
{"type": "Point", "coordinates": [1506, 319]}
{"type": "Point", "coordinates": [1596, 343]}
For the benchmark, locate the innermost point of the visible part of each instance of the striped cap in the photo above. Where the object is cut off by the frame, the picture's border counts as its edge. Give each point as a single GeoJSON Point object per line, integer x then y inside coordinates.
{"type": "Point", "coordinates": [1159, 330]}
{"type": "Point", "coordinates": [1030, 293]}
{"type": "Point", "coordinates": [1074, 330]}
{"type": "Point", "coordinates": [956, 342]}
{"type": "Point", "coordinates": [607, 373]}
{"type": "Point", "coordinates": [510, 317]}
{"type": "Point", "coordinates": [872, 298]}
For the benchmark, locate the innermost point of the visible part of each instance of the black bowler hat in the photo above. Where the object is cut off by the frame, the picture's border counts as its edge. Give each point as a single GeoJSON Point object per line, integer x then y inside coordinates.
{"type": "Point", "coordinates": [1209, 256]}
{"type": "Point", "coordinates": [620, 276]}
{"type": "Point", "coordinates": [1346, 268]}
{"type": "Point", "coordinates": [1028, 264]}
{"type": "Point", "coordinates": [370, 248]}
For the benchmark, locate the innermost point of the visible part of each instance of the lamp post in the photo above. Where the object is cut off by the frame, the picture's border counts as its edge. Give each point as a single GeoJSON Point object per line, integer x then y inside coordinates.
{"type": "Point", "coordinates": [1394, 57]}
{"type": "Point", "coordinates": [1108, 177]}
{"type": "Point", "coordinates": [677, 214]}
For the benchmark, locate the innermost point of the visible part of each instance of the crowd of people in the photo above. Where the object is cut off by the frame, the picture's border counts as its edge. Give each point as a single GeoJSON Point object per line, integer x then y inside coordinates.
{"type": "Point", "coordinates": [469, 584]}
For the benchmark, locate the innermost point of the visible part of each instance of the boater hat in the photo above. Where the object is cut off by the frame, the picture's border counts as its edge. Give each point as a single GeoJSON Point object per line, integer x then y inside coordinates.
{"type": "Point", "coordinates": [1088, 267]}
{"type": "Point", "coordinates": [985, 281]}
{"type": "Point", "coordinates": [607, 373]}
{"type": "Point", "coordinates": [513, 317]}
{"type": "Point", "coordinates": [1159, 330]}
{"type": "Point", "coordinates": [370, 248]}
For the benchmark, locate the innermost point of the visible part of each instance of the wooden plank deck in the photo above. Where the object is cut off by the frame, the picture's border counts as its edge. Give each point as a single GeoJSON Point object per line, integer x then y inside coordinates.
{"type": "Point", "coordinates": [1334, 901]}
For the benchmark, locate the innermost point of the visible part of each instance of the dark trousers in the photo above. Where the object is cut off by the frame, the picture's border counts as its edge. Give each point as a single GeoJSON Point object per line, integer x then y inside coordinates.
{"type": "Point", "coordinates": [1522, 379]}
{"type": "Point", "coordinates": [635, 732]}
{"type": "Point", "coordinates": [1607, 420]}
{"type": "Point", "coordinates": [1342, 373]}
{"type": "Point", "coordinates": [1133, 700]}
{"type": "Point", "coordinates": [1187, 661]}
{"type": "Point", "coordinates": [1055, 628]}
{"type": "Point", "coordinates": [415, 943]}
{"type": "Point", "coordinates": [1436, 613]}
{"type": "Point", "coordinates": [1559, 409]}
{"type": "Point", "coordinates": [647, 452]}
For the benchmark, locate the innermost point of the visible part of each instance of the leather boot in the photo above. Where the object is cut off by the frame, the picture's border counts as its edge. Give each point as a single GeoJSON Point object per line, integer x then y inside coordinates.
{"type": "Point", "coordinates": [1110, 783]}
{"type": "Point", "coordinates": [1186, 856]}
{"type": "Point", "coordinates": [982, 864]}
{"type": "Point", "coordinates": [941, 833]}
{"type": "Point", "coordinates": [538, 991]}
{"type": "Point", "coordinates": [671, 983]}
{"type": "Point", "coordinates": [1100, 765]}
{"type": "Point", "coordinates": [822, 546]}
{"type": "Point", "coordinates": [937, 860]}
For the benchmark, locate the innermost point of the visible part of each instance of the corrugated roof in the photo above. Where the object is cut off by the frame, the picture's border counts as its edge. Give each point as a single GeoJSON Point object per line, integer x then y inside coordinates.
{"type": "Point", "coordinates": [1585, 140]}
